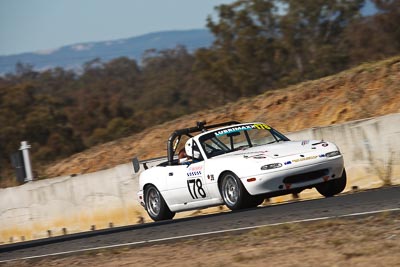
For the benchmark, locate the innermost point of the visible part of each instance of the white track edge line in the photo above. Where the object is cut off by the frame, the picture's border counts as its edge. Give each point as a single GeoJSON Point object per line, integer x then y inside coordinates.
{"type": "Point", "coordinates": [201, 234]}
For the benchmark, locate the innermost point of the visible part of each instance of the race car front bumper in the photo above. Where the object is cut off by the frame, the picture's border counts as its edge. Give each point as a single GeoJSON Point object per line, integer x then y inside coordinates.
{"type": "Point", "coordinates": [290, 178]}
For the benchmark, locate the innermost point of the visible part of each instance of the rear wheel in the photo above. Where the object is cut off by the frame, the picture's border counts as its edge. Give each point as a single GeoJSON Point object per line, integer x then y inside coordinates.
{"type": "Point", "coordinates": [333, 187]}
{"type": "Point", "coordinates": [234, 194]}
{"type": "Point", "coordinates": [155, 205]}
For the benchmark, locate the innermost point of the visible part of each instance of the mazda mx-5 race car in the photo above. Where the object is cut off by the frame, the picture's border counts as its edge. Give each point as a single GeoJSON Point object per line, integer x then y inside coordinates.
{"type": "Point", "coordinates": [236, 164]}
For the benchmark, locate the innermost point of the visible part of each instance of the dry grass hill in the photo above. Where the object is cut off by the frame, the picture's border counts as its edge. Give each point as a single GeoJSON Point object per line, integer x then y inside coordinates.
{"type": "Point", "coordinates": [372, 89]}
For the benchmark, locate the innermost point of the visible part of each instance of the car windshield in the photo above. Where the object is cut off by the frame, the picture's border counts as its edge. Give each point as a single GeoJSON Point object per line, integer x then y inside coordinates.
{"type": "Point", "coordinates": [239, 137]}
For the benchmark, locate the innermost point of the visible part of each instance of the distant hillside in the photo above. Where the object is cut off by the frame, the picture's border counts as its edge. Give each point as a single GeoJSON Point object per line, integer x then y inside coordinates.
{"type": "Point", "coordinates": [366, 91]}
{"type": "Point", "coordinates": [73, 56]}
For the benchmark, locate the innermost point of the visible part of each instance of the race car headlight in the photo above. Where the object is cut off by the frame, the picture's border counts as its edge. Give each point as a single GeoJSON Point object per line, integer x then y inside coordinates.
{"type": "Point", "coordinates": [271, 166]}
{"type": "Point", "coordinates": [332, 154]}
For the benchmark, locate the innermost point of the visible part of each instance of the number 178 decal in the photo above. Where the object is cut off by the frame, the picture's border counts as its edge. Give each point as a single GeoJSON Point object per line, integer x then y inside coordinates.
{"type": "Point", "coordinates": [195, 187]}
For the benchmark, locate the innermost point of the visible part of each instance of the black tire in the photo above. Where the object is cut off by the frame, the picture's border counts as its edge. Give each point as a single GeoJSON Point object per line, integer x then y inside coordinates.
{"type": "Point", "coordinates": [254, 201]}
{"type": "Point", "coordinates": [233, 193]}
{"type": "Point", "coordinates": [156, 207]}
{"type": "Point", "coordinates": [333, 187]}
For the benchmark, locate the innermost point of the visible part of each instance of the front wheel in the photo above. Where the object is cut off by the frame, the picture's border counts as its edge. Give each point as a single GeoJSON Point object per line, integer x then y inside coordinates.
{"type": "Point", "coordinates": [233, 192]}
{"type": "Point", "coordinates": [333, 187]}
{"type": "Point", "coordinates": [155, 205]}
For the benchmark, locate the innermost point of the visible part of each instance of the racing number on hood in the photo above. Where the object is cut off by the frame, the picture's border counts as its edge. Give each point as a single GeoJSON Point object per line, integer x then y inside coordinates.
{"type": "Point", "coordinates": [195, 187]}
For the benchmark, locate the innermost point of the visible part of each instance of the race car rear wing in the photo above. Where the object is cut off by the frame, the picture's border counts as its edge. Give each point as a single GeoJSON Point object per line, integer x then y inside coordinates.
{"type": "Point", "coordinates": [145, 163]}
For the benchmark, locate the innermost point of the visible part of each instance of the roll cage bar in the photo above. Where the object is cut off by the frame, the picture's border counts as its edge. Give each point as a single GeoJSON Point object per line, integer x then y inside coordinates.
{"type": "Point", "coordinates": [175, 137]}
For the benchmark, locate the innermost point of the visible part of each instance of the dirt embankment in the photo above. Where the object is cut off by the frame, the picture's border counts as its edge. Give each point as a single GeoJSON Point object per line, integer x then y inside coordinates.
{"type": "Point", "coordinates": [366, 91]}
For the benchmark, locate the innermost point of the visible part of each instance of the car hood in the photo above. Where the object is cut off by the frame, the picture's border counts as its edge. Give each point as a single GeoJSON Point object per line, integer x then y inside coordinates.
{"type": "Point", "coordinates": [279, 150]}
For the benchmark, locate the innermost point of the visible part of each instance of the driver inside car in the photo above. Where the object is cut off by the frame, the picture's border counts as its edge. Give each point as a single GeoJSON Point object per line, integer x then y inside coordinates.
{"type": "Point", "coordinates": [189, 154]}
{"type": "Point", "coordinates": [182, 157]}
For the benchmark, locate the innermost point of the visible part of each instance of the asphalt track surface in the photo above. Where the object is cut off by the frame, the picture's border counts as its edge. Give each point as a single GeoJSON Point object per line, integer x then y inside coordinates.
{"type": "Point", "coordinates": [353, 204]}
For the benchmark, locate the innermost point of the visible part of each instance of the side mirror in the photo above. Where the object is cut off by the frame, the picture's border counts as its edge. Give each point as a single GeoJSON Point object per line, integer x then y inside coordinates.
{"type": "Point", "coordinates": [136, 164]}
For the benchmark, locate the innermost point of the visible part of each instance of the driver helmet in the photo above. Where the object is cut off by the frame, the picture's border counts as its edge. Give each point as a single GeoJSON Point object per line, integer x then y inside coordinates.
{"type": "Point", "coordinates": [190, 151]}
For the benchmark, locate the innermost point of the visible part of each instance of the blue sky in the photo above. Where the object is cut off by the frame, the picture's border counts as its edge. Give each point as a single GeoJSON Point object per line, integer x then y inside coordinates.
{"type": "Point", "coordinates": [32, 25]}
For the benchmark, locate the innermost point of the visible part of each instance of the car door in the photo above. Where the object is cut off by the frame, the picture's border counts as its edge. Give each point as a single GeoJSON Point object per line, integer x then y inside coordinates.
{"type": "Point", "coordinates": [195, 182]}
{"type": "Point", "coordinates": [185, 184]}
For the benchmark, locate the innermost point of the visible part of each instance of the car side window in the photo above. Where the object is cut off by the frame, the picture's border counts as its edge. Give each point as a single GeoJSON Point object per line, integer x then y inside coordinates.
{"type": "Point", "coordinates": [196, 149]}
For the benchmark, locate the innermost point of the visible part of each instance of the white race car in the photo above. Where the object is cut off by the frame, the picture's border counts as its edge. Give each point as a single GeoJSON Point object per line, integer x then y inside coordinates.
{"type": "Point", "coordinates": [238, 165]}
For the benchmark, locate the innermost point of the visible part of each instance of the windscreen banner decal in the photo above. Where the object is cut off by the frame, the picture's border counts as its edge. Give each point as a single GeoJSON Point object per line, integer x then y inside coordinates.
{"type": "Point", "coordinates": [259, 126]}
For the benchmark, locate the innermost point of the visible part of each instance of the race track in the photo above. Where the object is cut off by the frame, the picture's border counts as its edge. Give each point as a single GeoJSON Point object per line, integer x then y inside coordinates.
{"type": "Point", "coordinates": [348, 205]}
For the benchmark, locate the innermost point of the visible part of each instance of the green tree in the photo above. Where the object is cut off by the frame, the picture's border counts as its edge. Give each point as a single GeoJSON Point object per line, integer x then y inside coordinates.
{"type": "Point", "coordinates": [375, 37]}
{"type": "Point", "coordinates": [263, 44]}
{"type": "Point", "coordinates": [312, 36]}
{"type": "Point", "coordinates": [242, 58]}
